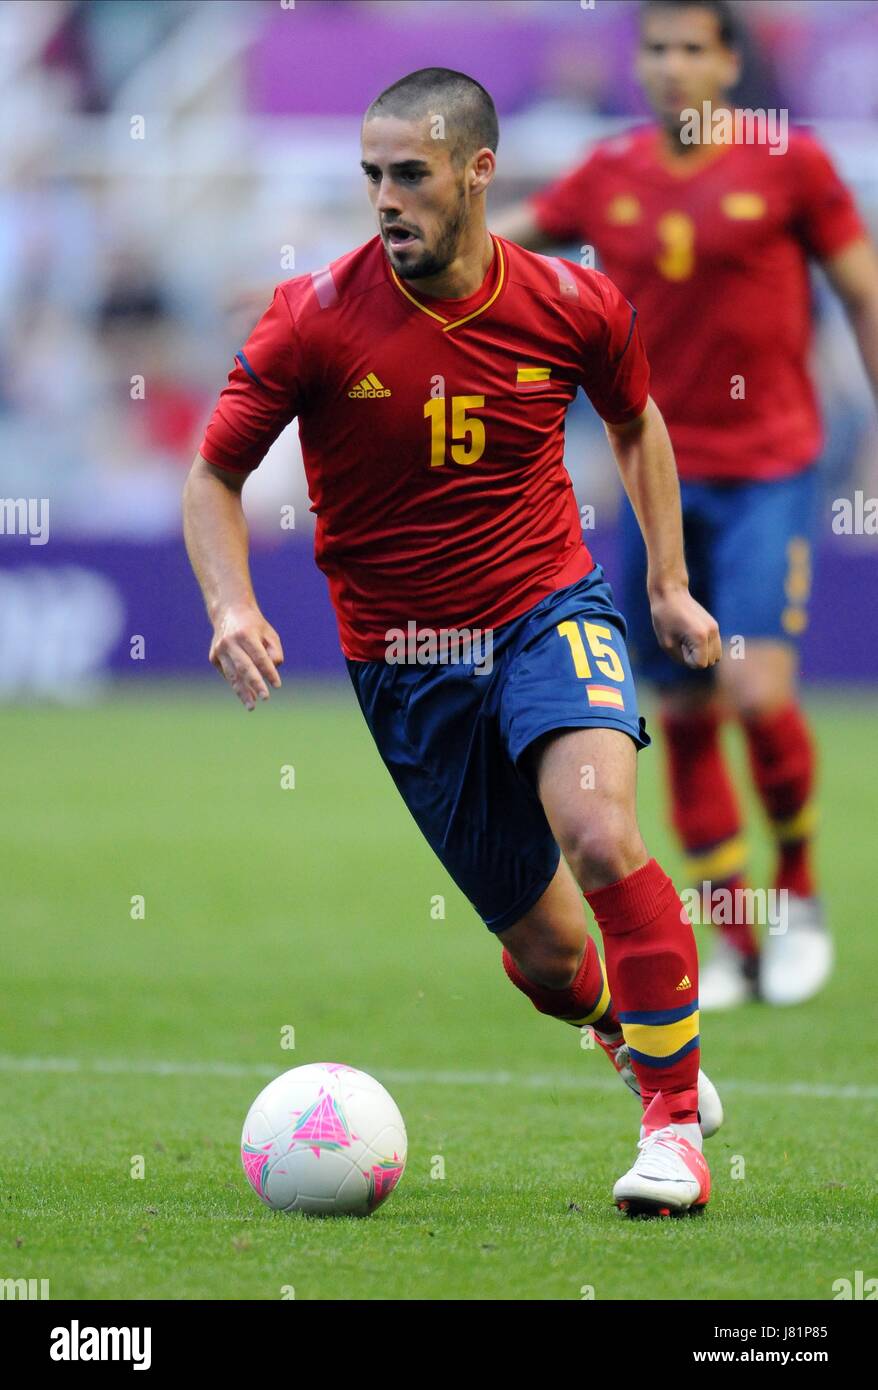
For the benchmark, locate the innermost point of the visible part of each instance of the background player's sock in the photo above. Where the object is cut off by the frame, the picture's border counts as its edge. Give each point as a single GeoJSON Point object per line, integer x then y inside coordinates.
{"type": "Point", "coordinates": [783, 760]}
{"type": "Point", "coordinates": [705, 813]}
{"type": "Point", "coordinates": [586, 1000]}
{"type": "Point", "coordinates": [739, 932]}
{"type": "Point", "coordinates": [652, 968]}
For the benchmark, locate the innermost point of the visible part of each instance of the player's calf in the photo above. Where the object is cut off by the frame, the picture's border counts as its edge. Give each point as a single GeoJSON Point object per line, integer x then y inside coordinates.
{"type": "Point", "coordinates": [584, 1000]}
{"type": "Point", "coordinates": [571, 985]}
{"type": "Point", "coordinates": [649, 945]}
{"type": "Point", "coordinates": [652, 966]}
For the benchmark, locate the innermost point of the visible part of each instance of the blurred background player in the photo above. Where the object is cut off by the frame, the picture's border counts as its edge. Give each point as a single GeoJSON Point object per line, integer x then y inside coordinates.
{"type": "Point", "coordinates": [711, 241]}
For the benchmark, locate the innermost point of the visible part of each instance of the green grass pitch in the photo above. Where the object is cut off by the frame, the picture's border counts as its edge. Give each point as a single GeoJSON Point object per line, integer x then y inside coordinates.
{"type": "Point", "coordinates": [310, 907]}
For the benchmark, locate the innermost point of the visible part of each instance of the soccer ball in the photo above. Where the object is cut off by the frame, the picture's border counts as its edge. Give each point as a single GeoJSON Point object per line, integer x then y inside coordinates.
{"type": "Point", "coordinates": [325, 1139]}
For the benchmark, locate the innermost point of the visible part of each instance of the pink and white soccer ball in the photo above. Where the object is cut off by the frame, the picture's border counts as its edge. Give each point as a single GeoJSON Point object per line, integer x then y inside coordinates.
{"type": "Point", "coordinates": [325, 1139]}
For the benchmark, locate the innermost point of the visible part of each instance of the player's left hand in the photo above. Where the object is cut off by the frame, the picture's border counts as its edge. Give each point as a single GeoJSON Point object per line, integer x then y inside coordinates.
{"type": "Point", "coordinates": [685, 630]}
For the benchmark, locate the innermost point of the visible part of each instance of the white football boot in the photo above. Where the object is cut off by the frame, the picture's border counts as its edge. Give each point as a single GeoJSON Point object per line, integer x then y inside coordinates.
{"type": "Point", "coordinates": [670, 1175]}
{"type": "Point", "coordinates": [727, 980]}
{"type": "Point", "coordinates": [796, 963]}
{"type": "Point", "coordinates": [710, 1108]}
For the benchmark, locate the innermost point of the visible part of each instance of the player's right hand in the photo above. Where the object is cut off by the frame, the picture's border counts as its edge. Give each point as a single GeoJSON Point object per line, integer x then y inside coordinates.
{"type": "Point", "coordinates": [685, 630]}
{"type": "Point", "coordinates": [247, 650]}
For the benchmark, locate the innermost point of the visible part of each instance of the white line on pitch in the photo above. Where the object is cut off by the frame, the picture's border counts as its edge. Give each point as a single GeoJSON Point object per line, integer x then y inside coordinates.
{"type": "Point", "coordinates": [126, 1066]}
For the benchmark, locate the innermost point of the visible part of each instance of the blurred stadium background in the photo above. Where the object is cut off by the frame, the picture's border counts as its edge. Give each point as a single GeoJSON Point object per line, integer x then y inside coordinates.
{"type": "Point", "coordinates": [166, 162]}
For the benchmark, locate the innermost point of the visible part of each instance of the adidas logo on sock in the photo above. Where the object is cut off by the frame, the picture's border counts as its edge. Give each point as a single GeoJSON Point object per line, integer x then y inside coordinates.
{"type": "Point", "coordinates": [368, 388]}
{"type": "Point", "coordinates": [685, 983]}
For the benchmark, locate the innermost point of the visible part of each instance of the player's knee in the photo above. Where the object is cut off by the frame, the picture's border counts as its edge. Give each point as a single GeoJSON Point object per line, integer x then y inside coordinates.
{"type": "Point", "coordinates": [552, 964]}
{"type": "Point", "coordinates": [756, 700]}
{"type": "Point", "coordinates": [687, 701]}
{"type": "Point", "coordinates": [605, 847]}
{"type": "Point", "coordinates": [749, 711]}
{"type": "Point", "coordinates": [759, 685]}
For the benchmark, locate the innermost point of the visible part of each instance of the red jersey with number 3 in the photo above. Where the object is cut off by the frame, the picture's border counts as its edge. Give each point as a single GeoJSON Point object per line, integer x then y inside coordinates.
{"type": "Point", "coordinates": [432, 431]}
{"type": "Point", "coordinates": [714, 249]}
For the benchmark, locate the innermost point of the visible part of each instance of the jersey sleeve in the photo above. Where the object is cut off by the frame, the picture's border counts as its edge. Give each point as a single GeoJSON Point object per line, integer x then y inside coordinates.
{"type": "Point", "coordinates": [616, 371]}
{"type": "Point", "coordinates": [827, 218]}
{"type": "Point", "coordinates": [262, 396]}
{"type": "Point", "coordinates": [560, 209]}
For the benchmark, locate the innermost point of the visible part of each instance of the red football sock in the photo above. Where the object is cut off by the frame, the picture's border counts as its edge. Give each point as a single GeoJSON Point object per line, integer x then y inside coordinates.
{"type": "Point", "coordinates": [783, 761]}
{"type": "Point", "coordinates": [705, 813]}
{"type": "Point", "coordinates": [652, 968]}
{"type": "Point", "coordinates": [738, 933]}
{"type": "Point", "coordinates": [586, 1000]}
{"type": "Point", "coordinates": [704, 807]}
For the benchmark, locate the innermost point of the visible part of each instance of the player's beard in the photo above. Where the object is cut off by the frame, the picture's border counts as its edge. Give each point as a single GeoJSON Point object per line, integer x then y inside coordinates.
{"type": "Point", "coordinates": [435, 261]}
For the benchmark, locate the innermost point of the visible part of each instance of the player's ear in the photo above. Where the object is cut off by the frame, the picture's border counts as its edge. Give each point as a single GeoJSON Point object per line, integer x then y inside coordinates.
{"type": "Point", "coordinates": [732, 74]}
{"type": "Point", "coordinates": [482, 170]}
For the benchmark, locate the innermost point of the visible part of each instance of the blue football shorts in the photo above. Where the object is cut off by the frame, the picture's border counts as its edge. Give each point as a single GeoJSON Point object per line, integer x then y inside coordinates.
{"type": "Point", "coordinates": [454, 741]}
{"type": "Point", "coordinates": [748, 552]}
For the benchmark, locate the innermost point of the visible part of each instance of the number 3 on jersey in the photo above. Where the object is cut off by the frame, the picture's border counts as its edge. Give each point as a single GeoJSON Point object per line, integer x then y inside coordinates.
{"type": "Point", "coordinates": [467, 431]}
{"type": "Point", "coordinates": [676, 232]}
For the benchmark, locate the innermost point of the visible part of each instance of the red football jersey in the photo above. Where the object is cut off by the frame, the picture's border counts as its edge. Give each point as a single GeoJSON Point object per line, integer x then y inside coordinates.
{"type": "Point", "coordinates": [432, 431]}
{"type": "Point", "coordinates": [714, 253]}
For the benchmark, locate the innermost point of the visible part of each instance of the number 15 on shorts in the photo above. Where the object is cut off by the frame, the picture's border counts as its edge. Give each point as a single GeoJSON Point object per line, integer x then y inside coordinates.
{"type": "Point", "coordinates": [591, 647]}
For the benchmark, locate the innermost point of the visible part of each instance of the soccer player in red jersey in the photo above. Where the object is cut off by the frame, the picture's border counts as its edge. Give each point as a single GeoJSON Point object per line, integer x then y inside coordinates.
{"type": "Point", "coordinates": [430, 372]}
{"type": "Point", "coordinates": [711, 239]}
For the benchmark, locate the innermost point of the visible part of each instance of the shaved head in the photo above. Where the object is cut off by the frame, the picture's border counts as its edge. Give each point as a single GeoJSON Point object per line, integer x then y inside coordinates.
{"type": "Point", "coordinates": [469, 118]}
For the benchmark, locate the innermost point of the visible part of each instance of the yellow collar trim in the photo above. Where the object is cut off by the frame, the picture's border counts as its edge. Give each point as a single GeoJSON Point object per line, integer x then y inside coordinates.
{"type": "Point", "coordinates": [448, 324]}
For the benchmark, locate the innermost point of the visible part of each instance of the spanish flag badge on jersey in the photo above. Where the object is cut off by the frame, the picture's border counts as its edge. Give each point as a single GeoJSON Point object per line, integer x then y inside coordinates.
{"type": "Point", "coordinates": [532, 378]}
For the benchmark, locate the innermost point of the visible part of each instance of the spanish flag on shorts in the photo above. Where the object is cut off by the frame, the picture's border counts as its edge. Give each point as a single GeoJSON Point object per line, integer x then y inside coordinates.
{"type": "Point", "coordinates": [605, 697]}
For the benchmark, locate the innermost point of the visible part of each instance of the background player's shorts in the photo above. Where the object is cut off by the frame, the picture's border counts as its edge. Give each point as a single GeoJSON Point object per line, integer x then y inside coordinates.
{"type": "Point", "coordinates": [748, 551]}
{"type": "Point", "coordinates": [454, 740]}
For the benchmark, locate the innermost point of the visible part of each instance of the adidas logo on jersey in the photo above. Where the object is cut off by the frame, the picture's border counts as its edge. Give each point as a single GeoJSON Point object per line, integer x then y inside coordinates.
{"type": "Point", "coordinates": [685, 983]}
{"type": "Point", "coordinates": [368, 388]}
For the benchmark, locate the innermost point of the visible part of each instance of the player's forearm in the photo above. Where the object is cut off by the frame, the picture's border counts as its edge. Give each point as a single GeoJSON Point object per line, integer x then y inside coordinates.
{"type": "Point", "coordinates": [217, 540]}
{"type": "Point", "coordinates": [864, 321]}
{"type": "Point", "coordinates": [853, 274]}
{"type": "Point", "coordinates": [645, 458]}
{"type": "Point", "coordinates": [519, 224]}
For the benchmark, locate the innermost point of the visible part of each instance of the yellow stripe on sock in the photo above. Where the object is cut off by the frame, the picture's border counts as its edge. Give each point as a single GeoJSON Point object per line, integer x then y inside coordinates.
{"type": "Point", "coordinates": [660, 1040]}
{"type": "Point", "coordinates": [798, 827]}
{"type": "Point", "coordinates": [725, 861]}
{"type": "Point", "coordinates": [600, 1007]}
